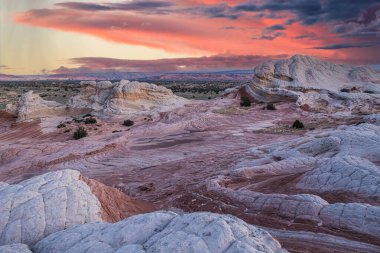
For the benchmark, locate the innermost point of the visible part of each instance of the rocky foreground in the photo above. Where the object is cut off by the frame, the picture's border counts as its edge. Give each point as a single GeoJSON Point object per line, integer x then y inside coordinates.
{"type": "Point", "coordinates": [198, 176]}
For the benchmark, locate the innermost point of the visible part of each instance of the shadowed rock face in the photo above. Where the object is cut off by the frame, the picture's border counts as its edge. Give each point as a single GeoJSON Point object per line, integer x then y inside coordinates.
{"type": "Point", "coordinates": [163, 232]}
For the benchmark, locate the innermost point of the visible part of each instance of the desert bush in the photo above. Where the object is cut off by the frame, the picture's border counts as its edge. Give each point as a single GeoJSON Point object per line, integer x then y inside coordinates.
{"type": "Point", "coordinates": [128, 123]}
{"type": "Point", "coordinates": [90, 121]}
{"type": "Point", "coordinates": [298, 124]}
{"type": "Point", "coordinates": [80, 133]}
{"type": "Point", "coordinates": [87, 115]}
{"type": "Point", "coordinates": [271, 107]}
{"type": "Point", "coordinates": [245, 102]}
{"type": "Point", "coordinates": [345, 90]}
{"type": "Point", "coordinates": [62, 125]}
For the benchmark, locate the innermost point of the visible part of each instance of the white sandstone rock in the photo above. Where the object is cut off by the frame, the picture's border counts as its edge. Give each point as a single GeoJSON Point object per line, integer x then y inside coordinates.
{"type": "Point", "coordinates": [37, 207]}
{"type": "Point", "coordinates": [15, 248]}
{"type": "Point", "coordinates": [32, 106]}
{"type": "Point", "coordinates": [163, 232]}
{"type": "Point", "coordinates": [315, 85]}
{"type": "Point", "coordinates": [125, 97]}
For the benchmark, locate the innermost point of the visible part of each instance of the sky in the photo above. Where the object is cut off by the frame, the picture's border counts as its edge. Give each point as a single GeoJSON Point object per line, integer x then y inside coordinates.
{"type": "Point", "coordinates": [78, 36]}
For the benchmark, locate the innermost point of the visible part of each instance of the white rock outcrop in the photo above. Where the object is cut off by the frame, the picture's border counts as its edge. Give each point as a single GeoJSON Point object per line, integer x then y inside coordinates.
{"type": "Point", "coordinates": [315, 85]}
{"type": "Point", "coordinates": [31, 106]}
{"type": "Point", "coordinates": [163, 232]}
{"type": "Point", "coordinates": [37, 207]}
{"type": "Point", "coordinates": [125, 97]}
{"type": "Point", "coordinates": [310, 73]}
{"type": "Point", "coordinates": [341, 162]}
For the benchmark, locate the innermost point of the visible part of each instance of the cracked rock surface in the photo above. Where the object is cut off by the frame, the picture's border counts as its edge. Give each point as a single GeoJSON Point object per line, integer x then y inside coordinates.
{"type": "Point", "coordinates": [35, 208]}
{"type": "Point", "coordinates": [163, 232]}
{"type": "Point", "coordinates": [15, 248]}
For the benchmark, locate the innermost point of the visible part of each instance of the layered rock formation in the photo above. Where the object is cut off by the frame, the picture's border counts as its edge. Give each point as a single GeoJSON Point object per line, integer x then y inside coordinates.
{"type": "Point", "coordinates": [315, 85]}
{"type": "Point", "coordinates": [340, 165]}
{"type": "Point", "coordinates": [39, 212]}
{"type": "Point", "coordinates": [125, 97]}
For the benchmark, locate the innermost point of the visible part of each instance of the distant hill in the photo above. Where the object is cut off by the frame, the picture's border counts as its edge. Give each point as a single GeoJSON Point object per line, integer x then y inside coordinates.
{"type": "Point", "coordinates": [199, 75]}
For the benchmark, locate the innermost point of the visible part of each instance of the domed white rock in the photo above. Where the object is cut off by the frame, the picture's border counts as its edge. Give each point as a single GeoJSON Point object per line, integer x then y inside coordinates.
{"type": "Point", "coordinates": [163, 232]}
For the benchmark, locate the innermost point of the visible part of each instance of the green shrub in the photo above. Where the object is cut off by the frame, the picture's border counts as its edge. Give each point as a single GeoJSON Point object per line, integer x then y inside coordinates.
{"type": "Point", "coordinates": [80, 133]}
{"type": "Point", "coordinates": [90, 121]}
{"type": "Point", "coordinates": [270, 107]}
{"type": "Point", "coordinates": [298, 124]}
{"type": "Point", "coordinates": [62, 125]}
{"type": "Point", "coordinates": [128, 123]}
{"type": "Point", "coordinates": [245, 102]}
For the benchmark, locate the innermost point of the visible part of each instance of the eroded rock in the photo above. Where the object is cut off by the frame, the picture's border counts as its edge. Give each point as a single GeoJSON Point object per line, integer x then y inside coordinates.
{"type": "Point", "coordinates": [163, 232]}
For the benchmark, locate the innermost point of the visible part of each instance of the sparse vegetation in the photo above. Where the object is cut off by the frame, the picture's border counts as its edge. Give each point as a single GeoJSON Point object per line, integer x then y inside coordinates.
{"type": "Point", "coordinates": [62, 125]}
{"type": "Point", "coordinates": [345, 90]}
{"type": "Point", "coordinates": [80, 133]}
{"type": "Point", "coordinates": [298, 124]}
{"type": "Point", "coordinates": [270, 107]}
{"type": "Point", "coordinates": [128, 123]}
{"type": "Point", "coordinates": [245, 102]}
{"type": "Point", "coordinates": [87, 115]}
{"type": "Point", "coordinates": [90, 121]}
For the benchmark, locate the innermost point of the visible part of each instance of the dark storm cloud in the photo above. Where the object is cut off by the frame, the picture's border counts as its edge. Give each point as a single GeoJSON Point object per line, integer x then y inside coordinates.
{"type": "Point", "coordinates": [271, 36]}
{"type": "Point", "coordinates": [276, 27]}
{"type": "Point", "coordinates": [309, 12]}
{"type": "Point", "coordinates": [347, 45]}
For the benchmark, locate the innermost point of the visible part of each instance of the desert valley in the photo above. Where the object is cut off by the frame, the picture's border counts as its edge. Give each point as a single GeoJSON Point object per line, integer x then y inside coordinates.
{"type": "Point", "coordinates": [287, 161]}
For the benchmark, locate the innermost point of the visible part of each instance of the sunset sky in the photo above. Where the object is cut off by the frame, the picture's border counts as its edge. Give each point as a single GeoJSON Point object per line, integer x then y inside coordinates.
{"type": "Point", "coordinates": [54, 36]}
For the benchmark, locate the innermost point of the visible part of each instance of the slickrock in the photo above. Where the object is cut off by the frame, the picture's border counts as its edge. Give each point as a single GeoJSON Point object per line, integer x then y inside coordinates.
{"type": "Point", "coordinates": [307, 72]}
{"type": "Point", "coordinates": [31, 106]}
{"type": "Point", "coordinates": [163, 232]}
{"type": "Point", "coordinates": [115, 205]}
{"type": "Point", "coordinates": [315, 85]}
{"type": "Point", "coordinates": [120, 98]}
{"type": "Point", "coordinates": [346, 174]}
{"type": "Point", "coordinates": [37, 207]}
{"type": "Point", "coordinates": [42, 205]}
{"type": "Point", "coordinates": [125, 97]}
{"type": "Point", "coordinates": [15, 248]}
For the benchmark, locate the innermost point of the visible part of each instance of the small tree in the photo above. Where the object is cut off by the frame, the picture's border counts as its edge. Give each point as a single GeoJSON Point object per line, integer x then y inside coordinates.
{"type": "Point", "coordinates": [128, 123]}
{"type": "Point", "coordinates": [80, 133]}
{"type": "Point", "coordinates": [298, 125]}
{"type": "Point", "coordinates": [245, 102]}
